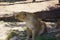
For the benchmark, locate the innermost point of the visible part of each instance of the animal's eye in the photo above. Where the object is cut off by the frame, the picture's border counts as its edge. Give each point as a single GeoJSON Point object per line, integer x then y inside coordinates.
{"type": "Point", "coordinates": [25, 15]}
{"type": "Point", "coordinates": [17, 15]}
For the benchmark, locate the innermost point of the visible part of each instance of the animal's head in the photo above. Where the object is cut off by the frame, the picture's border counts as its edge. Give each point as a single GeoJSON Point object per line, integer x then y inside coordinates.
{"type": "Point", "coordinates": [22, 16]}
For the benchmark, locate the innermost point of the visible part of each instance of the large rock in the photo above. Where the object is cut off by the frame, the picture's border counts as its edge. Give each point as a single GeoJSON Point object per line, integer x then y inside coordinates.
{"type": "Point", "coordinates": [5, 27]}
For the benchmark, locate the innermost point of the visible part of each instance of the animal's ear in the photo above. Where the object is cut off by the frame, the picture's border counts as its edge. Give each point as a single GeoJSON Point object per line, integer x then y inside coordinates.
{"type": "Point", "coordinates": [16, 16]}
{"type": "Point", "coordinates": [28, 13]}
{"type": "Point", "coordinates": [25, 14]}
{"type": "Point", "coordinates": [32, 14]}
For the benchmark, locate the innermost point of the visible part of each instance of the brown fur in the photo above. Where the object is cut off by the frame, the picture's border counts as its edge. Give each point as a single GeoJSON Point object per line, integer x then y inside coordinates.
{"type": "Point", "coordinates": [58, 23]}
{"type": "Point", "coordinates": [32, 22]}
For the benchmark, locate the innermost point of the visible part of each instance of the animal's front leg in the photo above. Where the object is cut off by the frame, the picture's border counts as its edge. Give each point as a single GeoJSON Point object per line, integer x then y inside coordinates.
{"type": "Point", "coordinates": [28, 34]}
{"type": "Point", "coordinates": [33, 34]}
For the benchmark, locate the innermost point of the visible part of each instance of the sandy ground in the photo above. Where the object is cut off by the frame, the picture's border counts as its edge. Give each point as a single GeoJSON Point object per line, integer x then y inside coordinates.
{"type": "Point", "coordinates": [28, 7]}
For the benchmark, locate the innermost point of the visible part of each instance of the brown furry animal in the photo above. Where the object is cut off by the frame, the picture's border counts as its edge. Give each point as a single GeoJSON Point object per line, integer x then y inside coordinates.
{"type": "Point", "coordinates": [34, 25]}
